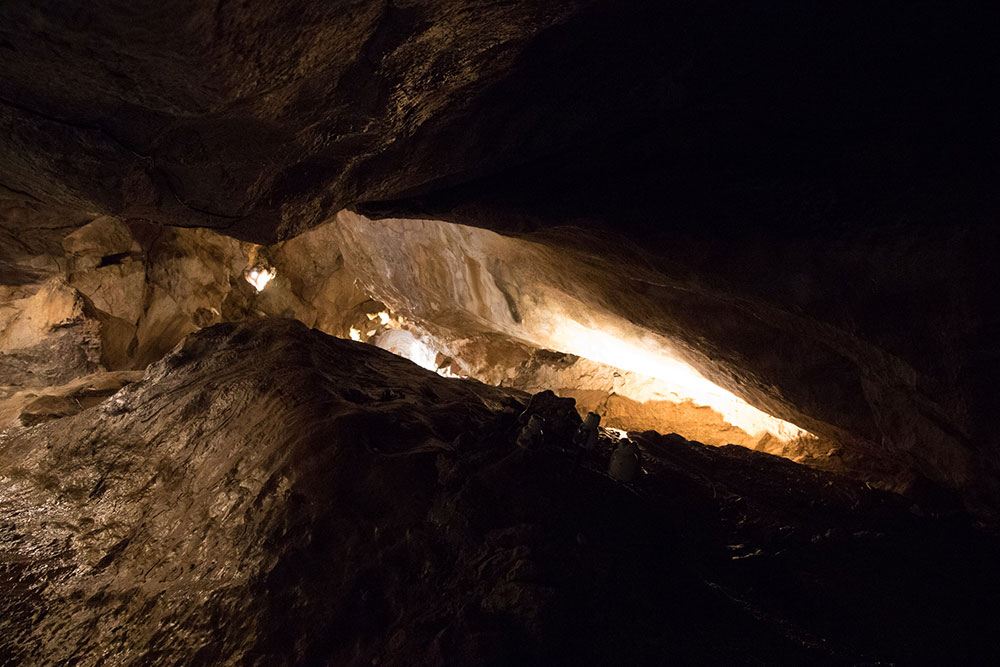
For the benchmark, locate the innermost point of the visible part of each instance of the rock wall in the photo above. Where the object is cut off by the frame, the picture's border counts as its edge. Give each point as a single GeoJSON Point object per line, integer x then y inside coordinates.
{"type": "Point", "coordinates": [264, 120]}
{"type": "Point", "coordinates": [266, 493]}
{"type": "Point", "coordinates": [140, 289]}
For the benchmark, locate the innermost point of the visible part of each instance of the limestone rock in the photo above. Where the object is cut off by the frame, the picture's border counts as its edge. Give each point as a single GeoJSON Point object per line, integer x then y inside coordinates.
{"type": "Point", "coordinates": [102, 241]}
{"type": "Point", "coordinates": [28, 407]}
{"type": "Point", "coordinates": [269, 493]}
{"type": "Point", "coordinates": [804, 208]}
{"type": "Point", "coordinates": [50, 339]}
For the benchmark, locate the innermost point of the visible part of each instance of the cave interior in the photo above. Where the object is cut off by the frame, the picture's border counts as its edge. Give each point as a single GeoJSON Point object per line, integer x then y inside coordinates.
{"type": "Point", "coordinates": [432, 332]}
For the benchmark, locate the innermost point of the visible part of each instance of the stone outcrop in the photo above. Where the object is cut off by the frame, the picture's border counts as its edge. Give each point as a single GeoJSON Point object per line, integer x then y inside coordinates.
{"type": "Point", "coordinates": [264, 120]}
{"type": "Point", "coordinates": [29, 406]}
{"type": "Point", "coordinates": [269, 494]}
{"type": "Point", "coordinates": [49, 337]}
{"type": "Point", "coordinates": [117, 295]}
{"type": "Point", "coordinates": [621, 307]}
{"type": "Point", "coordinates": [145, 288]}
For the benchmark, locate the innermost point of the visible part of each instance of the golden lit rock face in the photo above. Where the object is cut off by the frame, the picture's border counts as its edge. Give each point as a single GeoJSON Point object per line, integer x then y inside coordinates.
{"type": "Point", "coordinates": [35, 405]}
{"type": "Point", "coordinates": [612, 307]}
{"type": "Point", "coordinates": [462, 281]}
{"type": "Point", "coordinates": [48, 338]}
{"type": "Point", "coordinates": [55, 305]}
{"type": "Point", "coordinates": [148, 291]}
{"type": "Point", "coordinates": [640, 350]}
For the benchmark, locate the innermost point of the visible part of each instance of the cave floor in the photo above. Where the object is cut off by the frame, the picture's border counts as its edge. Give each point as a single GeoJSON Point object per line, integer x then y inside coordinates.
{"type": "Point", "coordinates": [271, 495]}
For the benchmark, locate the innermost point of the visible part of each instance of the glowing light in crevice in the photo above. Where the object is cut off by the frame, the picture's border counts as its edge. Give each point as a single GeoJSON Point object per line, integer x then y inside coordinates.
{"type": "Point", "coordinates": [259, 276]}
{"type": "Point", "coordinates": [405, 344]}
{"type": "Point", "coordinates": [383, 318]}
{"type": "Point", "coordinates": [679, 380]}
{"type": "Point", "coordinates": [417, 347]}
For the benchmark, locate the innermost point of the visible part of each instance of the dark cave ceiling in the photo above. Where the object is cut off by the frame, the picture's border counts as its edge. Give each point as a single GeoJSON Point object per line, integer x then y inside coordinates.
{"type": "Point", "coordinates": [265, 119]}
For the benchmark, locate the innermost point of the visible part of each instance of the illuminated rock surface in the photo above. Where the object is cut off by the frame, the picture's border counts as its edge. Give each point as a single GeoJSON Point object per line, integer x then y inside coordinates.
{"type": "Point", "coordinates": [145, 288]}
{"type": "Point", "coordinates": [268, 494]}
{"type": "Point", "coordinates": [518, 312]}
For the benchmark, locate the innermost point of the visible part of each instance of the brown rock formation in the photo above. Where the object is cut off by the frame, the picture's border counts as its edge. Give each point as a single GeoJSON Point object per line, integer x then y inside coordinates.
{"type": "Point", "coordinates": [270, 494]}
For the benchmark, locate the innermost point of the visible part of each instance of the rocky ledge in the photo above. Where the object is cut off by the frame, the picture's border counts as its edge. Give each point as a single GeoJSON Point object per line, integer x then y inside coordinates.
{"type": "Point", "coordinates": [267, 494]}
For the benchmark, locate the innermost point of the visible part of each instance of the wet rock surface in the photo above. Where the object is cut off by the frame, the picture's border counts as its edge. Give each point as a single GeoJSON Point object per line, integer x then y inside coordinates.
{"type": "Point", "coordinates": [270, 495]}
{"type": "Point", "coordinates": [117, 295]}
{"type": "Point", "coordinates": [599, 297]}
{"type": "Point", "coordinates": [802, 198]}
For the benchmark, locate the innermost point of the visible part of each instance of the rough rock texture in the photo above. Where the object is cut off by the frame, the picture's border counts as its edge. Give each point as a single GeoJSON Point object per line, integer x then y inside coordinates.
{"type": "Point", "coordinates": [30, 406]}
{"type": "Point", "coordinates": [48, 338]}
{"type": "Point", "coordinates": [111, 296]}
{"type": "Point", "coordinates": [800, 197]}
{"type": "Point", "coordinates": [455, 290]}
{"type": "Point", "coordinates": [490, 307]}
{"type": "Point", "coordinates": [254, 117]}
{"type": "Point", "coordinates": [144, 288]}
{"type": "Point", "coordinates": [619, 307]}
{"type": "Point", "coordinates": [270, 495]}
{"type": "Point", "coordinates": [816, 183]}
{"type": "Point", "coordinates": [624, 399]}
{"type": "Point", "coordinates": [117, 295]}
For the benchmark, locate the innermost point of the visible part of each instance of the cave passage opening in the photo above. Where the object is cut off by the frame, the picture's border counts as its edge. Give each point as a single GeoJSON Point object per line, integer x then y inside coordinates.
{"type": "Point", "coordinates": [516, 312]}
{"type": "Point", "coordinates": [630, 383]}
{"type": "Point", "coordinates": [461, 301]}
